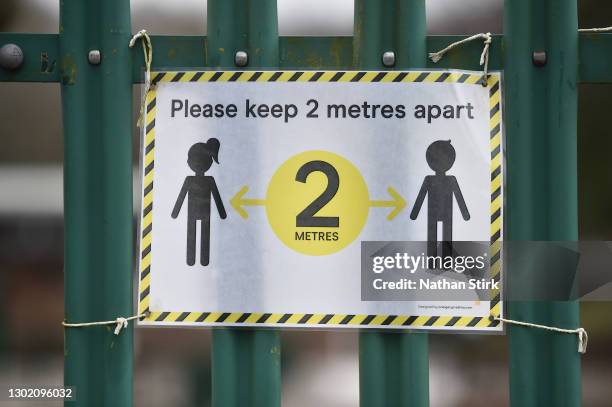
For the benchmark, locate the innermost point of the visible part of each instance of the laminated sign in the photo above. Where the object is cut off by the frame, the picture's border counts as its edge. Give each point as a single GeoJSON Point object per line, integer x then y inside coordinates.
{"type": "Point", "coordinates": [322, 199]}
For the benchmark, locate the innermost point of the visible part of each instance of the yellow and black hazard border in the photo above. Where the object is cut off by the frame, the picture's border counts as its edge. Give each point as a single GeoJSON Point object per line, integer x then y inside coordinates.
{"type": "Point", "coordinates": [218, 317]}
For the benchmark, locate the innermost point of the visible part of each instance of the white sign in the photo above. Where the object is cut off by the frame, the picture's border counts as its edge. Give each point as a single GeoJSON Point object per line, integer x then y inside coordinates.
{"type": "Point", "coordinates": [259, 187]}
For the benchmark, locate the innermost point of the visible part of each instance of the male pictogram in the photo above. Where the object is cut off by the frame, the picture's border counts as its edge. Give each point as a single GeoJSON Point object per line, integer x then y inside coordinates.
{"type": "Point", "coordinates": [200, 188]}
{"type": "Point", "coordinates": [440, 190]}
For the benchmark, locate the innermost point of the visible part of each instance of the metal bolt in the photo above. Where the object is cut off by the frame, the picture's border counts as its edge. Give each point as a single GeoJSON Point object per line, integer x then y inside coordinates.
{"type": "Point", "coordinates": [539, 58]}
{"type": "Point", "coordinates": [11, 56]}
{"type": "Point", "coordinates": [241, 58]}
{"type": "Point", "coordinates": [388, 58]}
{"type": "Point", "coordinates": [94, 57]}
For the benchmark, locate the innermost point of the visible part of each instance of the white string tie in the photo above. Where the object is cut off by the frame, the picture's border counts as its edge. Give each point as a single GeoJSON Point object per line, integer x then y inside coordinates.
{"type": "Point", "coordinates": [147, 49]}
{"type": "Point", "coordinates": [484, 57]}
{"type": "Point", "coordinates": [120, 323]}
{"type": "Point", "coordinates": [583, 337]}
{"type": "Point", "coordinates": [595, 30]}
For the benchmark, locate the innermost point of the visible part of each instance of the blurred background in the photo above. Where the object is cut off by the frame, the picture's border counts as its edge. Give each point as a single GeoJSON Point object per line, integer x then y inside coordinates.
{"type": "Point", "coordinates": [319, 368]}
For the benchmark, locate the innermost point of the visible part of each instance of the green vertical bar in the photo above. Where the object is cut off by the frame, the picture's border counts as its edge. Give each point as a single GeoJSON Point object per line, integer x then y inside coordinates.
{"type": "Point", "coordinates": [97, 115]}
{"type": "Point", "coordinates": [394, 368]}
{"type": "Point", "coordinates": [541, 108]}
{"type": "Point", "coordinates": [245, 362]}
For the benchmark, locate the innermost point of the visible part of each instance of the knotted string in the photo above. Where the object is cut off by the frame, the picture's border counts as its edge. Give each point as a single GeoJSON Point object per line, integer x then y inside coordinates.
{"type": "Point", "coordinates": [120, 323]}
{"type": "Point", "coordinates": [147, 49]}
{"type": "Point", "coordinates": [484, 56]}
{"type": "Point", "coordinates": [583, 337]}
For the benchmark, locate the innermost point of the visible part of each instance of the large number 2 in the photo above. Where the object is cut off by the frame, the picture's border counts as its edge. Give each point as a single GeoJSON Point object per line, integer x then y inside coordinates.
{"type": "Point", "coordinates": [307, 217]}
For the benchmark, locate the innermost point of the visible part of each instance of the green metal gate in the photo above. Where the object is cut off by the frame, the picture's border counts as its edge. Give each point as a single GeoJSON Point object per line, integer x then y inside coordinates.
{"type": "Point", "coordinates": [541, 104]}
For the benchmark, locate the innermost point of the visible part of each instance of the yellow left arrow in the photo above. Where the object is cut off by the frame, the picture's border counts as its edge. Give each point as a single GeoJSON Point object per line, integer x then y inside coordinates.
{"type": "Point", "coordinates": [238, 202]}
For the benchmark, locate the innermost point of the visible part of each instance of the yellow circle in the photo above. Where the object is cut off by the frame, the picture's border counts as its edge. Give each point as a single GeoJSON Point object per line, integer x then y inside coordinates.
{"type": "Point", "coordinates": [317, 202]}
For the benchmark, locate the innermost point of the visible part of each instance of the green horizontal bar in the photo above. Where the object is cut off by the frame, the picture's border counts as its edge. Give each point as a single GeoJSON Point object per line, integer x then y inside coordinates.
{"type": "Point", "coordinates": [171, 52]}
{"type": "Point", "coordinates": [40, 62]}
{"type": "Point", "coordinates": [316, 52]}
{"type": "Point", "coordinates": [311, 52]}
{"type": "Point", "coordinates": [175, 52]}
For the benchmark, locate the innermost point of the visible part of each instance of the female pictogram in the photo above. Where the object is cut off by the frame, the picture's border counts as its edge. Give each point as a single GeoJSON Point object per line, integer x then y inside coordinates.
{"type": "Point", "coordinates": [200, 188]}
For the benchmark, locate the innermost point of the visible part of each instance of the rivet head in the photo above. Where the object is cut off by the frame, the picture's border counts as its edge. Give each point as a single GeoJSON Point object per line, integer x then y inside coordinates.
{"type": "Point", "coordinates": [11, 56]}
{"type": "Point", "coordinates": [388, 58]}
{"type": "Point", "coordinates": [94, 57]}
{"type": "Point", "coordinates": [539, 58]}
{"type": "Point", "coordinates": [241, 58]}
